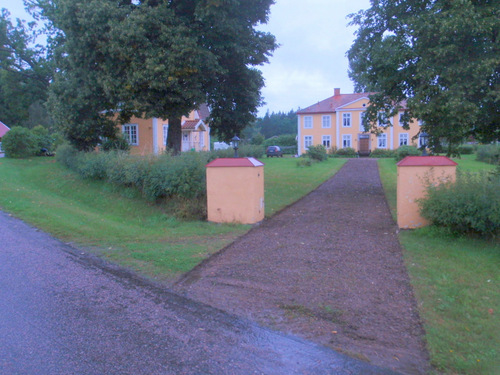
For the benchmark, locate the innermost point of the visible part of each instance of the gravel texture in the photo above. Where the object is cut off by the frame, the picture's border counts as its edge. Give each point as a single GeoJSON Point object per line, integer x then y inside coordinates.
{"type": "Point", "coordinates": [329, 268]}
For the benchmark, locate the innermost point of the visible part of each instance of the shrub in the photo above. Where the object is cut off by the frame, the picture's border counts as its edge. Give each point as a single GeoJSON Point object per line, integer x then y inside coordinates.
{"type": "Point", "coordinates": [43, 139]}
{"type": "Point", "coordinates": [94, 165]}
{"type": "Point", "coordinates": [469, 205]}
{"type": "Point", "coordinates": [304, 162]}
{"type": "Point", "coordinates": [281, 140]}
{"type": "Point", "coordinates": [466, 149]}
{"type": "Point", "coordinates": [346, 152]}
{"type": "Point", "coordinates": [404, 151]}
{"type": "Point", "coordinates": [317, 152]}
{"type": "Point", "coordinates": [254, 151]}
{"type": "Point", "coordinates": [489, 154]}
{"type": "Point", "coordinates": [117, 144]}
{"type": "Point", "coordinates": [19, 142]}
{"type": "Point", "coordinates": [67, 155]}
{"type": "Point", "coordinates": [383, 153]}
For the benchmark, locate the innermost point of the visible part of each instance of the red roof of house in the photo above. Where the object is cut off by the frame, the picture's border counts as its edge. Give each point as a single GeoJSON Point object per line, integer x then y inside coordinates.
{"type": "Point", "coordinates": [332, 103]}
{"type": "Point", "coordinates": [235, 162]}
{"type": "Point", "coordinates": [3, 129]}
{"type": "Point", "coordinates": [426, 161]}
{"type": "Point", "coordinates": [191, 124]}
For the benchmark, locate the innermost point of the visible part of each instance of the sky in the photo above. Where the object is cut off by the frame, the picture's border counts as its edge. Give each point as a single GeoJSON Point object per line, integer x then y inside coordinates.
{"type": "Point", "coordinates": [311, 60]}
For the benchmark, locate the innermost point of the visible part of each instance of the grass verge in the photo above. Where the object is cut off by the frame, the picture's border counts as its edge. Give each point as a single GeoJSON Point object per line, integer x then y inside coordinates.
{"type": "Point", "coordinates": [122, 226]}
{"type": "Point", "coordinates": [456, 283]}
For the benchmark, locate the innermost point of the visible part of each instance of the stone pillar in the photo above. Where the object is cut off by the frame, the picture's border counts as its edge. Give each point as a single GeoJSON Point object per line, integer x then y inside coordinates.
{"type": "Point", "coordinates": [414, 173]}
{"type": "Point", "coordinates": [235, 190]}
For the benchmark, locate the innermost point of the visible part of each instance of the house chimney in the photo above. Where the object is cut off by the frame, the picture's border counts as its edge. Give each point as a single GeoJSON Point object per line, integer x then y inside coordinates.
{"type": "Point", "coordinates": [336, 92]}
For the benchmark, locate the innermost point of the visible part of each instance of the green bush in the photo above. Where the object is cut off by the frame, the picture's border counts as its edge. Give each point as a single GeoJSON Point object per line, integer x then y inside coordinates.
{"type": "Point", "coordinates": [67, 155]}
{"type": "Point", "coordinates": [304, 162]}
{"type": "Point", "coordinates": [489, 154]}
{"type": "Point", "coordinates": [117, 144]}
{"type": "Point", "coordinates": [94, 165]}
{"type": "Point", "coordinates": [244, 151]}
{"type": "Point", "coordinates": [43, 139]}
{"type": "Point", "coordinates": [283, 140]}
{"type": "Point", "coordinates": [466, 149]}
{"type": "Point", "coordinates": [346, 152]}
{"type": "Point", "coordinates": [317, 152]}
{"type": "Point", "coordinates": [383, 153]}
{"type": "Point", "coordinates": [19, 142]}
{"type": "Point", "coordinates": [469, 205]}
{"type": "Point", "coordinates": [404, 151]}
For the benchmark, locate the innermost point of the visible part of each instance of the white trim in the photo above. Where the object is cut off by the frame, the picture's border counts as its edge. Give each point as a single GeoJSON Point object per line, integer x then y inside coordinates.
{"type": "Point", "coordinates": [129, 135]}
{"type": "Point", "coordinates": [308, 118]}
{"type": "Point", "coordinates": [347, 116]}
{"type": "Point", "coordinates": [155, 135]}
{"type": "Point", "coordinates": [337, 132]}
{"type": "Point", "coordinates": [299, 149]}
{"type": "Point", "coordinates": [348, 138]}
{"type": "Point", "coordinates": [323, 118]}
{"type": "Point", "coordinates": [407, 136]}
{"type": "Point", "coordinates": [327, 138]}
{"type": "Point", "coordinates": [391, 145]}
{"type": "Point", "coordinates": [312, 139]}
{"type": "Point", "coordinates": [379, 138]}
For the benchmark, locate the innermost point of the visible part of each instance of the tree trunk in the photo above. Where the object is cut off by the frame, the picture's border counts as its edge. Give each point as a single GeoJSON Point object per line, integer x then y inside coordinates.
{"type": "Point", "coordinates": [174, 137]}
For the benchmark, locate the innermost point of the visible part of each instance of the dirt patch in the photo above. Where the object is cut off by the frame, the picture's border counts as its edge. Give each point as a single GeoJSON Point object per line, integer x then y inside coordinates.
{"type": "Point", "coordinates": [328, 268]}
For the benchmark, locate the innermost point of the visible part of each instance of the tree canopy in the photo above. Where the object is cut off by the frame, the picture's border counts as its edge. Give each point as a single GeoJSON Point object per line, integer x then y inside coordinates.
{"type": "Point", "coordinates": [438, 59]}
{"type": "Point", "coordinates": [25, 73]}
{"type": "Point", "coordinates": [155, 58]}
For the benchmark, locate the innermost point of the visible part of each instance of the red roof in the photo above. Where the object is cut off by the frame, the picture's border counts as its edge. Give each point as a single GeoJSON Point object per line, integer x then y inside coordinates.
{"type": "Point", "coordinates": [426, 161]}
{"type": "Point", "coordinates": [3, 129]}
{"type": "Point", "coordinates": [331, 104]}
{"type": "Point", "coordinates": [235, 162]}
{"type": "Point", "coordinates": [192, 124]}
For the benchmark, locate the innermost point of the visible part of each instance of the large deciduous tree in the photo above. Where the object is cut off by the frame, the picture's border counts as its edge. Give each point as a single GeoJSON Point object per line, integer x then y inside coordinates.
{"type": "Point", "coordinates": [25, 73]}
{"type": "Point", "coordinates": [439, 59]}
{"type": "Point", "coordinates": [155, 58]}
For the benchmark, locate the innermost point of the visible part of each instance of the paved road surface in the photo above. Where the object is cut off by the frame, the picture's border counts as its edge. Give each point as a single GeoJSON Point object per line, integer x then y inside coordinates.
{"type": "Point", "coordinates": [65, 312]}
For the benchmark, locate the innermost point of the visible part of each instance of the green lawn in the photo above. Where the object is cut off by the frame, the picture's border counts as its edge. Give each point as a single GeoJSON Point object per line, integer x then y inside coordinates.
{"type": "Point", "coordinates": [124, 227]}
{"type": "Point", "coordinates": [456, 281]}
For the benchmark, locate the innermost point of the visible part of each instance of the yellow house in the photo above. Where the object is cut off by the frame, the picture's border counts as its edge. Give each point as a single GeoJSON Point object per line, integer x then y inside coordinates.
{"type": "Point", "coordinates": [337, 122]}
{"type": "Point", "coordinates": [149, 136]}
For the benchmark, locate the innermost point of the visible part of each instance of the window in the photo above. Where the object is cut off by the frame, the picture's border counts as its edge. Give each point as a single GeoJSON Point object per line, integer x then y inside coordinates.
{"type": "Point", "coordinates": [346, 140]}
{"type": "Point", "coordinates": [382, 141]}
{"type": "Point", "coordinates": [361, 120]}
{"type": "Point", "coordinates": [165, 134]}
{"type": "Point", "coordinates": [383, 120]}
{"type": "Point", "coordinates": [326, 122]}
{"type": "Point", "coordinates": [346, 120]}
{"type": "Point", "coordinates": [401, 119]}
{"type": "Point", "coordinates": [308, 141]}
{"type": "Point", "coordinates": [131, 133]}
{"type": "Point", "coordinates": [403, 139]}
{"type": "Point", "coordinates": [327, 141]}
{"type": "Point", "coordinates": [308, 122]}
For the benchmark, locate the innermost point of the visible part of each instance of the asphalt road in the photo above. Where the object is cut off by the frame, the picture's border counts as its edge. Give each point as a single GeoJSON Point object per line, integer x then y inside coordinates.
{"type": "Point", "coordinates": [66, 312]}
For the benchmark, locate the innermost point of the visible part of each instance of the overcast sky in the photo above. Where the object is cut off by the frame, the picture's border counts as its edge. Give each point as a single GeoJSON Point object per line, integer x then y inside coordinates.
{"type": "Point", "coordinates": [311, 60]}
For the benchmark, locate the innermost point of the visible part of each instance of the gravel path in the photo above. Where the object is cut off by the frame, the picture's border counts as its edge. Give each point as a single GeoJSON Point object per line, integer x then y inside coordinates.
{"type": "Point", "coordinates": [64, 312]}
{"type": "Point", "coordinates": [328, 268]}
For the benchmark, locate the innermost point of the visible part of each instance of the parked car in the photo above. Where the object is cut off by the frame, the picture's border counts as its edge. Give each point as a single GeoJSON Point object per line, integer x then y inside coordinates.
{"type": "Point", "coordinates": [274, 151]}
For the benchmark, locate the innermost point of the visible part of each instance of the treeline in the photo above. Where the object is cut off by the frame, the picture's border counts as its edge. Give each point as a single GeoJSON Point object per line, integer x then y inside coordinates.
{"type": "Point", "coordinates": [273, 124]}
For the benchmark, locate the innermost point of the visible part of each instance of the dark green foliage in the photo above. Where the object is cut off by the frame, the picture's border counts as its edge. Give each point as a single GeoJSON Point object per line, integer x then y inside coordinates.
{"type": "Point", "coordinates": [404, 151]}
{"type": "Point", "coordinates": [67, 155]}
{"type": "Point", "coordinates": [244, 151]}
{"type": "Point", "coordinates": [118, 143]}
{"type": "Point", "coordinates": [438, 57]}
{"type": "Point", "coordinates": [25, 73]}
{"type": "Point", "coordinates": [19, 142]}
{"type": "Point", "coordinates": [346, 152]}
{"type": "Point", "coordinates": [282, 140]}
{"type": "Point", "coordinates": [317, 152]}
{"type": "Point", "coordinates": [276, 124]}
{"type": "Point", "coordinates": [489, 154]}
{"type": "Point", "coordinates": [43, 139]}
{"type": "Point", "coordinates": [383, 153]}
{"type": "Point", "coordinates": [304, 162]}
{"type": "Point", "coordinates": [466, 149]}
{"type": "Point", "coordinates": [470, 205]}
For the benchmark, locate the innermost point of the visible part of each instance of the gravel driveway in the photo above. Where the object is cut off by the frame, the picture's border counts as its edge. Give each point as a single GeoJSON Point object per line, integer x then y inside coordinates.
{"type": "Point", "coordinates": [328, 268]}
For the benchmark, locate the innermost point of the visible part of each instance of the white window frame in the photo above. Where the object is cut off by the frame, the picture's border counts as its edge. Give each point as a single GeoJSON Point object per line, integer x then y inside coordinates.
{"type": "Point", "coordinates": [131, 133]}
{"type": "Point", "coordinates": [308, 141]}
{"type": "Point", "coordinates": [346, 140]}
{"type": "Point", "coordinates": [401, 114]}
{"type": "Point", "coordinates": [382, 141]}
{"type": "Point", "coordinates": [308, 122]}
{"type": "Point", "coordinates": [326, 121]}
{"type": "Point", "coordinates": [326, 140]}
{"type": "Point", "coordinates": [346, 120]}
{"type": "Point", "coordinates": [404, 139]}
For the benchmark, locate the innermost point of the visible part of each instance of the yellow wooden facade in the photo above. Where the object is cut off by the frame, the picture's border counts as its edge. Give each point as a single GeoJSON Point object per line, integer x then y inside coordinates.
{"type": "Point", "coordinates": [336, 122]}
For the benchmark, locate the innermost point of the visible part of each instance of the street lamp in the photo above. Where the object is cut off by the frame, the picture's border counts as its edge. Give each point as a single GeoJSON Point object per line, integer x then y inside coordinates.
{"type": "Point", "coordinates": [423, 142]}
{"type": "Point", "coordinates": [235, 141]}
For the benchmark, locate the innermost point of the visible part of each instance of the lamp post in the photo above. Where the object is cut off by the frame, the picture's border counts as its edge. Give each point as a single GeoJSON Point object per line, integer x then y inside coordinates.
{"type": "Point", "coordinates": [235, 141]}
{"type": "Point", "coordinates": [423, 142]}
